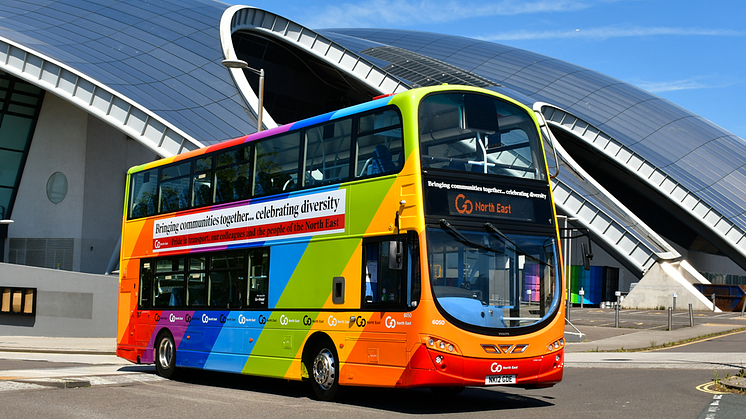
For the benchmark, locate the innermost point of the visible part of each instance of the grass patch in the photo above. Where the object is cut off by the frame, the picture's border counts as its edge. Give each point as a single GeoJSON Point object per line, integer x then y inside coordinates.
{"type": "Point", "coordinates": [719, 386]}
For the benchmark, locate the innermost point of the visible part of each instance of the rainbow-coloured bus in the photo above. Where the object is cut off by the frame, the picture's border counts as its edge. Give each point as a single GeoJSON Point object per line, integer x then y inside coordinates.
{"type": "Point", "coordinates": [410, 241]}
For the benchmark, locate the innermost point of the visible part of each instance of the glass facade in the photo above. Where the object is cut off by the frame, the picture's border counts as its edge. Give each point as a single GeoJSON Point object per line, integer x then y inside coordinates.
{"type": "Point", "coordinates": [20, 103]}
{"type": "Point", "coordinates": [165, 56]}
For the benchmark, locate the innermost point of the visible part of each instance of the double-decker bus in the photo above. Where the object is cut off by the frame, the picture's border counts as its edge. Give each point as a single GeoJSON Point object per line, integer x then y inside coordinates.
{"type": "Point", "coordinates": [410, 241]}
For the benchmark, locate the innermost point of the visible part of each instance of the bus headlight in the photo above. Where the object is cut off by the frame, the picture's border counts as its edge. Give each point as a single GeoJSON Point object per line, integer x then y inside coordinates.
{"type": "Point", "coordinates": [557, 344]}
{"type": "Point", "coordinates": [440, 344]}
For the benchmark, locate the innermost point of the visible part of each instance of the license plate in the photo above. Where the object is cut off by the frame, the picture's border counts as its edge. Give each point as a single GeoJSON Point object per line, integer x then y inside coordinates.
{"type": "Point", "coordinates": [492, 380]}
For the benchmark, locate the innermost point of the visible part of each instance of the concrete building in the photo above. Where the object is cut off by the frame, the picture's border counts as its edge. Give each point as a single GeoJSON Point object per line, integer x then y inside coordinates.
{"type": "Point", "coordinates": [90, 89]}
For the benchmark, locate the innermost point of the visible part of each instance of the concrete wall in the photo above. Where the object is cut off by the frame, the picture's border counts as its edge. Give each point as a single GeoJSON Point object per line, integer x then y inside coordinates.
{"type": "Point", "coordinates": [656, 289]}
{"type": "Point", "coordinates": [109, 154]}
{"type": "Point", "coordinates": [58, 145]}
{"type": "Point", "coordinates": [68, 304]}
{"type": "Point", "coordinates": [94, 157]}
{"type": "Point", "coordinates": [708, 262]}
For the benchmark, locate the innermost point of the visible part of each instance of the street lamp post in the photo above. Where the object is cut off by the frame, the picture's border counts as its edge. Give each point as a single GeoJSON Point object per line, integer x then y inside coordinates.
{"type": "Point", "coordinates": [245, 66]}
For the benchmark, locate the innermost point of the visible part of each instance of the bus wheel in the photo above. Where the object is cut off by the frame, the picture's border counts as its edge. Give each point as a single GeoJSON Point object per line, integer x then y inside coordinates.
{"type": "Point", "coordinates": [447, 391]}
{"type": "Point", "coordinates": [165, 355]}
{"type": "Point", "coordinates": [325, 371]}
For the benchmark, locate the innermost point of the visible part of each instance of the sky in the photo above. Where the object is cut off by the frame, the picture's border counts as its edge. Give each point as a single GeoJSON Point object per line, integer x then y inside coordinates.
{"type": "Point", "coordinates": [692, 53]}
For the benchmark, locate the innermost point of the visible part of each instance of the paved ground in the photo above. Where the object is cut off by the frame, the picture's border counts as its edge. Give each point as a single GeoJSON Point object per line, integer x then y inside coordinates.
{"type": "Point", "coordinates": [651, 319]}
{"type": "Point", "coordinates": [90, 346]}
{"type": "Point", "coordinates": [593, 333]}
{"type": "Point", "coordinates": [638, 330]}
{"type": "Point", "coordinates": [641, 329]}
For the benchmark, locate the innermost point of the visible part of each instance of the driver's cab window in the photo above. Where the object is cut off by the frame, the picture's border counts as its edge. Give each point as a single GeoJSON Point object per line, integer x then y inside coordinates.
{"type": "Point", "coordinates": [391, 272]}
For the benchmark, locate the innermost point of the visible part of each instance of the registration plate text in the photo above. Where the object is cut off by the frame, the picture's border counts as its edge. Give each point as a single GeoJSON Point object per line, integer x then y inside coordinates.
{"type": "Point", "coordinates": [492, 380]}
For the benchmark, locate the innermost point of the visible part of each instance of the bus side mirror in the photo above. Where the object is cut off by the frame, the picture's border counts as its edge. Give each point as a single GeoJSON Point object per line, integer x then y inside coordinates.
{"type": "Point", "coordinates": [395, 255]}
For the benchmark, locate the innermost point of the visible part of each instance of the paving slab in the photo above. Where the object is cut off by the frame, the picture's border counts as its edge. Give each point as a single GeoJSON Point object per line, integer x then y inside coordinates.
{"type": "Point", "coordinates": [71, 345]}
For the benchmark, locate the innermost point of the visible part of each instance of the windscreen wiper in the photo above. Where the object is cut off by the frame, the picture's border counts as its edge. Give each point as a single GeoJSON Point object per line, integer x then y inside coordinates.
{"type": "Point", "coordinates": [502, 235]}
{"type": "Point", "coordinates": [460, 237]}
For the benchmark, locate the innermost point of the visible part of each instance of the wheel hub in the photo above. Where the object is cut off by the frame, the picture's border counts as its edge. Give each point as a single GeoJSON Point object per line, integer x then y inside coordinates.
{"type": "Point", "coordinates": [323, 369]}
{"type": "Point", "coordinates": [165, 352]}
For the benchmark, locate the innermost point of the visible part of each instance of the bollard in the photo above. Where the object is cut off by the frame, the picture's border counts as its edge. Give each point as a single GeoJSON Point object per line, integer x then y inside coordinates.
{"type": "Point", "coordinates": [616, 316]}
{"type": "Point", "coordinates": [670, 318]}
{"type": "Point", "coordinates": [618, 305]}
{"type": "Point", "coordinates": [581, 293]}
{"type": "Point", "coordinates": [691, 316]}
{"type": "Point", "coordinates": [713, 302]}
{"type": "Point", "coordinates": [674, 301]}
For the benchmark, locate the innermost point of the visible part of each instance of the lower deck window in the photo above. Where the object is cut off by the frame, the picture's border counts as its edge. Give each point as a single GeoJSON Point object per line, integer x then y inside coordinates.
{"type": "Point", "coordinates": [220, 280]}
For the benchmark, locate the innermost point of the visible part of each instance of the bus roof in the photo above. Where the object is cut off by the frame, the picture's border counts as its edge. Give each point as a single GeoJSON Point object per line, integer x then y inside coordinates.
{"type": "Point", "coordinates": [363, 107]}
{"type": "Point", "coordinates": [378, 102]}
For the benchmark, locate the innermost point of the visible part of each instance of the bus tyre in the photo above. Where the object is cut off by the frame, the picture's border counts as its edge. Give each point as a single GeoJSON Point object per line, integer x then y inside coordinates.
{"type": "Point", "coordinates": [325, 371]}
{"type": "Point", "coordinates": [165, 355]}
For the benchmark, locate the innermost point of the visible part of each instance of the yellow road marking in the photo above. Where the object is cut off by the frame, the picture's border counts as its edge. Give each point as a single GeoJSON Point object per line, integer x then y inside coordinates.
{"type": "Point", "coordinates": [719, 324]}
{"type": "Point", "coordinates": [707, 388]}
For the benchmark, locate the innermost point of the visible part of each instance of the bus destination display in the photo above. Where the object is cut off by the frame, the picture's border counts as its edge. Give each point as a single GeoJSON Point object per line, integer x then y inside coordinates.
{"type": "Point", "coordinates": [481, 201]}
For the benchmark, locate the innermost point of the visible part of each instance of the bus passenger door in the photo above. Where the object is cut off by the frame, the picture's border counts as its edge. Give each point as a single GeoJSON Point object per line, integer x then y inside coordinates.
{"type": "Point", "coordinates": [380, 349]}
{"type": "Point", "coordinates": [143, 324]}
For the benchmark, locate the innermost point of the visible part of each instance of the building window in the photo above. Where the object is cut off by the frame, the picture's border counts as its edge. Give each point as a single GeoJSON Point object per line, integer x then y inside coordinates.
{"type": "Point", "coordinates": [57, 188]}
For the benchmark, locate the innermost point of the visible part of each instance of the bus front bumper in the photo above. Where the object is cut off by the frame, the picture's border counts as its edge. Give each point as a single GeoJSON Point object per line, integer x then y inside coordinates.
{"type": "Point", "coordinates": [429, 368]}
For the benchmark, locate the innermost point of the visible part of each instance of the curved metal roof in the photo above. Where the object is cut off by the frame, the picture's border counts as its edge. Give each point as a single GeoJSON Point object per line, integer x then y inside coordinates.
{"type": "Point", "coordinates": [153, 70]}
{"type": "Point", "coordinates": [250, 19]}
{"type": "Point", "coordinates": [690, 162]}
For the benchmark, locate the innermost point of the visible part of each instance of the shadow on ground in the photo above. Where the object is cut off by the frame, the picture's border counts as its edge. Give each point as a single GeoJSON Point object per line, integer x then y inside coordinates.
{"type": "Point", "coordinates": [410, 401]}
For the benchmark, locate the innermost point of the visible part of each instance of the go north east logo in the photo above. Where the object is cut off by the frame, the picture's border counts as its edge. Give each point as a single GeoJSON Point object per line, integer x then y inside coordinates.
{"type": "Point", "coordinates": [391, 323]}
{"type": "Point", "coordinates": [284, 320]}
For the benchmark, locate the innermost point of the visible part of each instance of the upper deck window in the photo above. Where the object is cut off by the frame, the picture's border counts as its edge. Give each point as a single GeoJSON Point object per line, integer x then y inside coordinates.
{"type": "Point", "coordinates": [276, 167]}
{"type": "Point", "coordinates": [363, 145]}
{"type": "Point", "coordinates": [480, 134]}
{"type": "Point", "coordinates": [174, 187]}
{"type": "Point", "coordinates": [379, 144]}
{"type": "Point", "coordinates": [144, 193]}
{"type": "Point", "coordinates": [328, 153]}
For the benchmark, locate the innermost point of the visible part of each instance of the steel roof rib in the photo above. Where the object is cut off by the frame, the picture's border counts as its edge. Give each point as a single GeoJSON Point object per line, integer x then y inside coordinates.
{"type": "Point", "coordinates": [603, 110]}
{"type": "Point", "coordinates": [131, 118]}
